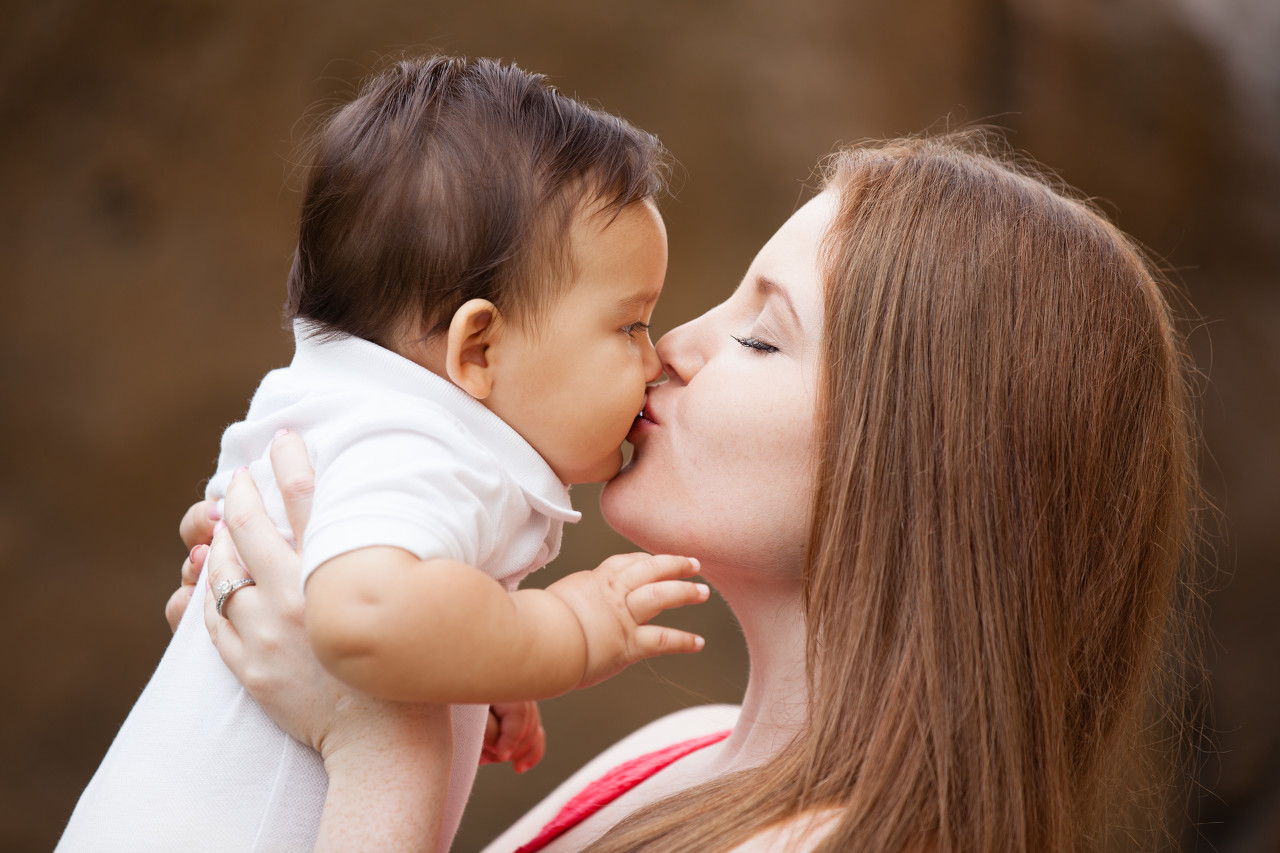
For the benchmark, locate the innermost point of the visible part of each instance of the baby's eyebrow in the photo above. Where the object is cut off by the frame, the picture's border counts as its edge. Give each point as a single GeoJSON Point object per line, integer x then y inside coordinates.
{"type": "Point", "coordinates": [637, 301]}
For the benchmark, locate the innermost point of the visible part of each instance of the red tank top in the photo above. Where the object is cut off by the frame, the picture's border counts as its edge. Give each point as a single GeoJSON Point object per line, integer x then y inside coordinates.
{"type": "Point", "coordinates": [614, 784]}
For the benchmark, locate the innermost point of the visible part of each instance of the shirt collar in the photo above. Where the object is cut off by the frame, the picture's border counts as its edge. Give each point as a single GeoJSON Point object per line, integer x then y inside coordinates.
{"type": "Point", "coordinates": [357, 358]}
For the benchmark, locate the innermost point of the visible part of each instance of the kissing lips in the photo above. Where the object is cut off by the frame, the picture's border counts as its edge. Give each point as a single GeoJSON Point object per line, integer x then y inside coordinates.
{"type": "Point", "coordinates": [643, 422]}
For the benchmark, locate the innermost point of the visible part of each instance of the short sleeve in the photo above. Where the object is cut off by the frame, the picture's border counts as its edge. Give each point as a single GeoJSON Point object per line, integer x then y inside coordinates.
{"type": "Point", "coordinates": [427, 487]}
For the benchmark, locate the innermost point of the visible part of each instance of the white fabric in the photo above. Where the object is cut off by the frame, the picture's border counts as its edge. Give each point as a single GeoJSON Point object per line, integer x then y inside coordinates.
{"type": "Point", "coordinates": [402, 458]}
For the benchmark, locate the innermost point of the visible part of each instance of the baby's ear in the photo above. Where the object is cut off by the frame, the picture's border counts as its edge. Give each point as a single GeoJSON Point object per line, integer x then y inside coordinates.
{"type": "Point", "coordinates": [473, 329]}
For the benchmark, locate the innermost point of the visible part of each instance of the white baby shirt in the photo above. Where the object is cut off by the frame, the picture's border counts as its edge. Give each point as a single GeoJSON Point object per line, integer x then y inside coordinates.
{"type": "Point", "coordinates": [402, 458]}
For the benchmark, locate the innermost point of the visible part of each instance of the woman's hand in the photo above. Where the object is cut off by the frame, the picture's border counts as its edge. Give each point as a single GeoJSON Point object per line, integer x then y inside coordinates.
{"type": "Point", "coordinates": [388, 762]}
{"type": "Point", "coordinates": [196, 531]}
{"type": "Point", "coordinates": [260, 634]}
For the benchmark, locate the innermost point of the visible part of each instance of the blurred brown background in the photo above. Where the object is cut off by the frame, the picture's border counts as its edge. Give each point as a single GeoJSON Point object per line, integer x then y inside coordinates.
{"type": "Point", "coordinates": [146, 229]}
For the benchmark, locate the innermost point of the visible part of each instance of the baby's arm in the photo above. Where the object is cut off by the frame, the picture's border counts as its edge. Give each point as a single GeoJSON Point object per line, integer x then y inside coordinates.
{"type": "Point", "coordinates": [438, 630]}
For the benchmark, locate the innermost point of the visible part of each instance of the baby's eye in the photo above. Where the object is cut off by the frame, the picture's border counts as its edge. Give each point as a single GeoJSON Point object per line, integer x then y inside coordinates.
{"type": "Point", "coordinates": [755, 344]}
{"type": "Point", "coordinates": [637, 326]}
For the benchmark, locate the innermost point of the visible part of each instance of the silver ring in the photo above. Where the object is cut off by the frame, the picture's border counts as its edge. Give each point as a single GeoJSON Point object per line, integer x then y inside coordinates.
{"type": "Point", "coordinates": [225, 589]}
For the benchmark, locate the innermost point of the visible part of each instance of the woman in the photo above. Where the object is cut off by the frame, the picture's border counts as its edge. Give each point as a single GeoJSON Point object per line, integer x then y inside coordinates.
{"type": "Point", "coordinates": [936, 454]}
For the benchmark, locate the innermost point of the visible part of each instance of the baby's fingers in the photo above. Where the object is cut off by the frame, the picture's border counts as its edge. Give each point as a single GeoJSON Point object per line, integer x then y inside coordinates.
{"type": "Point", "coordinates": [492, 728]}
{"type": "Point", "coordinates": [644, 568]}
{"type": "Point", "coordinates": [530, 750]}
{"type": "Point", "coordinates": [654, 640]}
{"type": "Point", "coordinates": [653, 598]}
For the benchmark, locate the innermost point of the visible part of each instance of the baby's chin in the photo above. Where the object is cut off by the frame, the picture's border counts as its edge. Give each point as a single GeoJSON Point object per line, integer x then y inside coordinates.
{"type": "Point", "coordinates": [600, 471]}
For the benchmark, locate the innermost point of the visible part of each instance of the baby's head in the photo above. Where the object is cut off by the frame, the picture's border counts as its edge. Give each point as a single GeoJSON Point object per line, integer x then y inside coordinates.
{"type": "Point", "coordinates": [467, 216]}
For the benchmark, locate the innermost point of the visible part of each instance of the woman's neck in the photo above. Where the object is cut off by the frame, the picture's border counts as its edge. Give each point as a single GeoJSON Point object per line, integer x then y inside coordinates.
{"type": "Point", "coordinates": [773, 707]}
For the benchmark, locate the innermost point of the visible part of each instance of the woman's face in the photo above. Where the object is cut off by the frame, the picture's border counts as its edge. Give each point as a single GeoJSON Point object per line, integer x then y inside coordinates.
{"type": "Point", "coordinates": [724, 451]}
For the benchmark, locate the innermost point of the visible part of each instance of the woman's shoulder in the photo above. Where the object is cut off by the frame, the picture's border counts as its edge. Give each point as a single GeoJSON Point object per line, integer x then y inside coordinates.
{"type": "Point", "coordinates": [666, 731]}
{"type": "Point", "coordinates": [663, 732]}
{"type": "Point", "coordinates": [795, 835]}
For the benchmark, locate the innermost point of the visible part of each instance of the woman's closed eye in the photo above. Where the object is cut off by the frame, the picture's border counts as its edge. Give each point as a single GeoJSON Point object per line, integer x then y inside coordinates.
{"type": "Point", "coordinates": [755, 343]}
{"type": "Point", "coordinates": [637, 326]}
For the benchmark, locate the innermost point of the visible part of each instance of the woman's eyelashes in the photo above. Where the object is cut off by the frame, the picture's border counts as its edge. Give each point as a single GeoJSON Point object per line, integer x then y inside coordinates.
{"type": "Point", "coordinates": [637, 326]}
{"type": "Point", "coordinates": [755, 343]}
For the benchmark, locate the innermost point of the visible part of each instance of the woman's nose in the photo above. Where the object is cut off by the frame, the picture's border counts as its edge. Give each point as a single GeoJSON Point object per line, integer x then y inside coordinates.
{"type": "Point", "coordinates": [679, 352]}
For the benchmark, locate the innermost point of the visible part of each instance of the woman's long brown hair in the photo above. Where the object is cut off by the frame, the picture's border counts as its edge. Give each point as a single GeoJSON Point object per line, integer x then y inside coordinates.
{"type": "Point", "coordinates": [996, 583]}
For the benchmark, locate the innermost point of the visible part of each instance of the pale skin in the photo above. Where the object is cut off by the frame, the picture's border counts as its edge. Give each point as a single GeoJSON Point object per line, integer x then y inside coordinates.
{"type": "Point", "coordinates": [722, 471]}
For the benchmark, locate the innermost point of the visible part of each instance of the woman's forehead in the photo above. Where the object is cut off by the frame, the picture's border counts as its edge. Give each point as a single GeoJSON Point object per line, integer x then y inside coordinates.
{"type": "Point", "coordinates": [787, 267]}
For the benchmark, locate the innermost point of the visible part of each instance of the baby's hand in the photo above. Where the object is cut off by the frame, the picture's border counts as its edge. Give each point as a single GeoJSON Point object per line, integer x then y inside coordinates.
{"type": "Point", "coordinates": [514, 733]}
{"type": "Point", "coordinates": [615, 601]}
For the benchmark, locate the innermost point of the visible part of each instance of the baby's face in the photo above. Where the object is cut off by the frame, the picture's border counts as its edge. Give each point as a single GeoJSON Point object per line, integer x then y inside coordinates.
{"type": "Point", "coordinates": [573, 387]}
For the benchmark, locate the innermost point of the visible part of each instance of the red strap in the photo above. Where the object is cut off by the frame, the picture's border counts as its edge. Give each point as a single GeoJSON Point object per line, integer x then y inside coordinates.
{"type": "Point", "coordinates": [614, 784]}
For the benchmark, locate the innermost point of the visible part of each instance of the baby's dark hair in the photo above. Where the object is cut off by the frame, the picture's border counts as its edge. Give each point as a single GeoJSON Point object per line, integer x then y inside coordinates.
{"type": "Point", "coordinates": [449, 179]}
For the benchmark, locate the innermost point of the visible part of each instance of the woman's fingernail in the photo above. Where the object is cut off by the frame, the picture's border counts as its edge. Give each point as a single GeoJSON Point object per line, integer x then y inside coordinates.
{"type": "Point", "coordinates": [698, 643]}
{"type": "Point", "coordinates": [221, 525]}
{"type": "Point", "coordinates": [192, 556]}
{"type": "Point", "coordinates": [281, 432]}
{"type": "Point", "coordinates": [695, 562]}
{"type": "Point", "coordinates": [240, 470]}
{"type": "Point", "coordinates": [703, 589]}
{"type": "Point", "coordinates": [215, 511]}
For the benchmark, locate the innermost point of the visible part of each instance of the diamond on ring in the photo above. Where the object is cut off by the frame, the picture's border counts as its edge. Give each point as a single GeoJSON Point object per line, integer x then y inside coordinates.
{"type": "Point", "coordinates": [225, 589]}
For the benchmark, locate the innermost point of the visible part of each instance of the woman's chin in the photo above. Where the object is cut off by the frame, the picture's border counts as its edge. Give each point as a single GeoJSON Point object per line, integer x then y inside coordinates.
{"type": "Point", "coordinates": [622, 504]}
{"type": "Point", "coordinates": [612, 499]}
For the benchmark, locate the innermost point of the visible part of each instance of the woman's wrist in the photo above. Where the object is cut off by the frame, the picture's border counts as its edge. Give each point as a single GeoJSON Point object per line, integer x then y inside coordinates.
{"type": "Point", "coordinates": [388, 785]}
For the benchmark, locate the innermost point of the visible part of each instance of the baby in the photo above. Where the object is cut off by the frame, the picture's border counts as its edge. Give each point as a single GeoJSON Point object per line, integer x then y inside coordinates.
{"type": "Point", "coordinates": [478, 258]}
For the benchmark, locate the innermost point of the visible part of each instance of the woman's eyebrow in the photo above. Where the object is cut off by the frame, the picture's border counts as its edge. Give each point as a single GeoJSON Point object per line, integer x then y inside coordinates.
{"type": "Point", "coordinates": [769, 287]}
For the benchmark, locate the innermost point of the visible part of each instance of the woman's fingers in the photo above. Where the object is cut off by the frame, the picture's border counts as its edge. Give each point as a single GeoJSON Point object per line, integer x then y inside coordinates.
{"type": "Point", "coordinates": [256, 538]}
{"type": "Point", "coordinates": [196, 527]}
{"type": "Point", "coordinates": [177, 603]}
{"type": "Point", "coordinates": [224, 566]}
{"type": "Point", "coordinates": [176, 606]}
{"type": "Point", "coordinates": [193, 564]}
{"type": "Point", "coordinates": [295, 478]}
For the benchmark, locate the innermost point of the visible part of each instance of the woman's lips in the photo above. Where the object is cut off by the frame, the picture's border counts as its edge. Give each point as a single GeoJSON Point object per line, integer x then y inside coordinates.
{"type": "Point", "coordinates": [644, 421]}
